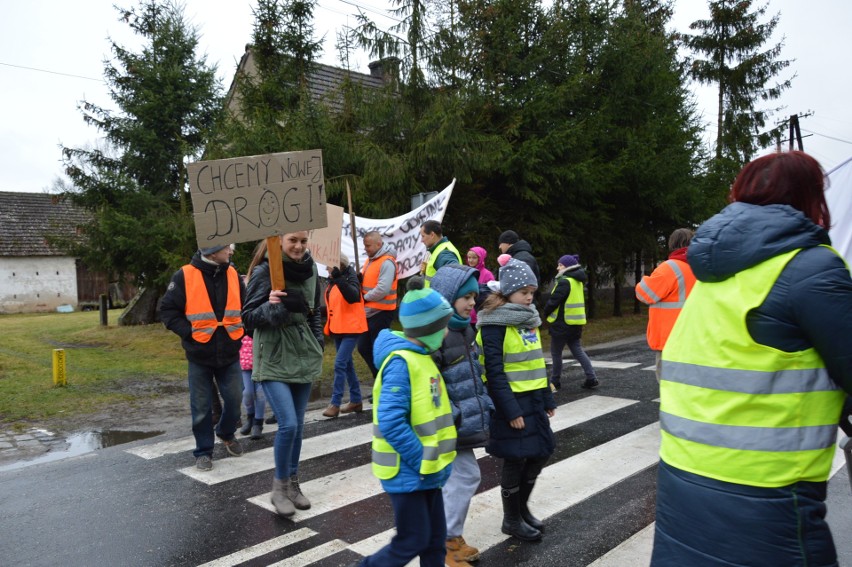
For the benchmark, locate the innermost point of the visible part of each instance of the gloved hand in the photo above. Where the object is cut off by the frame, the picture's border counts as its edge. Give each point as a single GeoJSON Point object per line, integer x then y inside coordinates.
{"type": "Point", "coordinates": [294, 301]}
{"type": "Point", "coordinates": [336, 273]}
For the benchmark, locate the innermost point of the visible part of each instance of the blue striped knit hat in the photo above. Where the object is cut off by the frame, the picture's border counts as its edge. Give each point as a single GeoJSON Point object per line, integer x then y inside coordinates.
{"type": "Point", "coordinates": [424, 313]}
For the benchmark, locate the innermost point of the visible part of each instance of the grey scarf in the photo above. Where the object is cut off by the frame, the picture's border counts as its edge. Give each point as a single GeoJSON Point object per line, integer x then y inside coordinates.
{"type": "Point", "coordinates": [510, 315]}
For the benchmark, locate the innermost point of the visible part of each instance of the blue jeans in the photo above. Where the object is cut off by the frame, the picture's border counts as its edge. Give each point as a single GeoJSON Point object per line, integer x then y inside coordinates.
{"type": "Point", "coordinates": [344, 370]}
{"type": "Point", "coordinates": [201, 403]}
{"type": "Point", "coordinates": [253, 397]}
{"type": "Point", "coordinates": [558, 342]}
{"type": "Point", "coordinates": [420, 530]}
{"type": "Point", "coordinates": [288, 401]}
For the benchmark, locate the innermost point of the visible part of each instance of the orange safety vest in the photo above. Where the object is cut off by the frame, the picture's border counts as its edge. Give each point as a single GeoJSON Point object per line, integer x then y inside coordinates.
{"type": "Point", "coordinates": [371, 280]}
{"type": "Point", "coordinates": [200, 312]}
{"type": "Point", "coordinates": [664, 291]}
{"type": "Point", "coordinates": [344, 318]}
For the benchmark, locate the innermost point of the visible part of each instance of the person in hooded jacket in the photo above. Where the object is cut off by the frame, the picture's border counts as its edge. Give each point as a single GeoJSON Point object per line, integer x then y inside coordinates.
{"type": "Point", "coordinates": [476, 260]}
{"type": "Point", "coordinates": [202, 306]}
{"type": "Point", "coordinates": [517, 383]}
{"type": "Point", "coordinates": [458, 361]}
{"type": "Point", "coordinates": [565, 310]}
{"type": "Point", "coordinates": [413, 432]}
{"type": "Point", "coordinates": [288, 345]}
{"type": "Point", "coordinates": [753, 379]}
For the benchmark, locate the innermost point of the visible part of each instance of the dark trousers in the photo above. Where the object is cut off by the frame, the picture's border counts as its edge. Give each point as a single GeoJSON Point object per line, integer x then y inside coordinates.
{"type": "Point", "coordinates": [420, 530]}
{"type": "Point", "coordinates": [516, 471]}
{"type": "Point", "coordinates": [381, 320]}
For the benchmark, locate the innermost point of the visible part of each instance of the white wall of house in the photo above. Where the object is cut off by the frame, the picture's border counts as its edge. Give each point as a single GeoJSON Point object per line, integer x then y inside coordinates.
{"type": "Point", "coordinates": [36, 284]}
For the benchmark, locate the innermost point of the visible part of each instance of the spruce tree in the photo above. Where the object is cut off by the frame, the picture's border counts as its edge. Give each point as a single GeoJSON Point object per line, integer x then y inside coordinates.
{"type": "Point", "coordinates": [730, 52]}
{"type": "Point", "coordinates": [134, 181]}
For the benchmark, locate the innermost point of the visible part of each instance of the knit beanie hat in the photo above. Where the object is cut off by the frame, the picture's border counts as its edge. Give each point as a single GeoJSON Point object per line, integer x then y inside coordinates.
{"type": "Point", "coordinates": [569, 260]}
{"type": "Point", "coordinates": [508, 237]}
{"type": "Point", "coordinates": [515, 275]}
{"type": "Point", "coordinates": [454, 280]}
{"type": "Point", "coordinates": [424, 314]}
{"type": "Point", "coordinates": [212, 249]}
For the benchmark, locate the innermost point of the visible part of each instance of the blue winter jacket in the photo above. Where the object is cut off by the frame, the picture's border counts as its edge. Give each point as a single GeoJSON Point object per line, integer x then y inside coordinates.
{"type": "Point", "coordinates": [458, 361]}
{"type": "Point", "coordinates": [809, 305]}
{"type": "Point", "coordinates": [394, 416]}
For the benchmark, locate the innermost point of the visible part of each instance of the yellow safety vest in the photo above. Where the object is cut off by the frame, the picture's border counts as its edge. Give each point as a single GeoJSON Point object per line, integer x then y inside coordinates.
{"type": "Point", "coordinates": [431, 418]}
{"type": "Point", "coordinates": [430, 265]}
{"type": "Point", "coordinates": [738, 411]}
{"type": "Point", "coordinates": [523, 361]}
{"type": "Point", "coordinates": [199, 310]}
{"type": "Point", "coordinates": [574, 311]}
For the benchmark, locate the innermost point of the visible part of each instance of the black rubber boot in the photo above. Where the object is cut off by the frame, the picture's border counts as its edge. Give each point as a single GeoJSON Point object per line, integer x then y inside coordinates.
{"type": "Point", "coordinates": [513, 523]}
{"type": "Point", "coordinates": [525, 490]}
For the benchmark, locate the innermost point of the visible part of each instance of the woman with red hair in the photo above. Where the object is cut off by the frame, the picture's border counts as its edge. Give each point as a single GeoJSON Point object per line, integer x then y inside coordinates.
{"type": "Point", "coordinates": [754, 378]}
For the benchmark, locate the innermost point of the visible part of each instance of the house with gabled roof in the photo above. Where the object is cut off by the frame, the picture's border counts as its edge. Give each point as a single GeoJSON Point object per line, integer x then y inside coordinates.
{"type": "Point", "coordinates": [36, 275]}
{"type": "Point", "coordinates": [324, 81]}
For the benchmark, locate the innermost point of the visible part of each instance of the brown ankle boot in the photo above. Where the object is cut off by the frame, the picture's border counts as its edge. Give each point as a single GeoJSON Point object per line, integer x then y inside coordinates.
{"type": "Point", "coordinates": [331, 411]}
{"type": "Point", "coordinates": [458, 548]}
{"type": "Point", "coordinates": [349, 407]}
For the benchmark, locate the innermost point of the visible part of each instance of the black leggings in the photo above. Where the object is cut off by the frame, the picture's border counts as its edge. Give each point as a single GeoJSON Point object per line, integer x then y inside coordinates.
{"type": "Point", "coordinates": [516, 471]}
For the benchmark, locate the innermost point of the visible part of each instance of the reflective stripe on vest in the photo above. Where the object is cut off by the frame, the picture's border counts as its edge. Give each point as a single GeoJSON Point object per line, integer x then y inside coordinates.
{"type": "Point", "coordinates": [199, 310]}
{"type": "Point", "coordinates": [523, 360]}
{"type": "Point", "coordinates": [371, 271]}
{"type": "Point", "coordinates": [433, 424]}
{"type": "Point", "coordinates": [574, 309]}
{"type": "Point", "coordinates": [430, 265]}
{"type": "Point", "coordinates": [740, 411]}
{"type": "Point", "coordinates": [681, 290]}
{"type": "Point", "coordinates": [343, 318]}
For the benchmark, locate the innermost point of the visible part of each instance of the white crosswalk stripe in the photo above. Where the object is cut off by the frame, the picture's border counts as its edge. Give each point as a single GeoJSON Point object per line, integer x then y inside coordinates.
{"type": "Point", "coordinates": [601, 466]}
{"type": "Point", "coordinates": [354, 485]}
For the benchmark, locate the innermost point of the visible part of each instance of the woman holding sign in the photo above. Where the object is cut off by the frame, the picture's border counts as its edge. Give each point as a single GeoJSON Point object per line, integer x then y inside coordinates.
{"type": "Point", "coordinates": [288, 344]}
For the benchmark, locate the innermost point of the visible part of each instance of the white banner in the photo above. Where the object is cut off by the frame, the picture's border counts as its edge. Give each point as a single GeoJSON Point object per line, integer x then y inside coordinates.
{"type": "Point", "coordinates": [839, 199]}
{"type": "Point", "coordinates": [401, 233]}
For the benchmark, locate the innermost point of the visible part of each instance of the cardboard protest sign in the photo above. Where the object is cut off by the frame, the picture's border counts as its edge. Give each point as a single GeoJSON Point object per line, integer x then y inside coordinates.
{"type": "Point", "coordinates": [324, 243]}
{"type": "Point", "coordinates": [253, 197]}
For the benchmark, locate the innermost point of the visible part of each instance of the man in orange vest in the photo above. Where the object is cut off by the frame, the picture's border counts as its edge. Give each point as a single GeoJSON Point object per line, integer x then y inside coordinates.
{"type": "Point", "coordinates": [665, 291]}
{"type": "Point", "coordinates": [202, 306]}
{"type": "Point", "coordinates": [378, 285]}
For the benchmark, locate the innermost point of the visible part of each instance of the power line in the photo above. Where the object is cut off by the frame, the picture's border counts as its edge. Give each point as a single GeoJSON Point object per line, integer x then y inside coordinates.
{"type": "Point", "coordinates": [827, 136]}
{"type": "Point", "coordinates": [50, 72]}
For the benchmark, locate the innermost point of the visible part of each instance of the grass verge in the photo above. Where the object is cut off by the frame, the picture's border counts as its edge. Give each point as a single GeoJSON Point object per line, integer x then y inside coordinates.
{"type": "Point", "coordinates": [113, 365]}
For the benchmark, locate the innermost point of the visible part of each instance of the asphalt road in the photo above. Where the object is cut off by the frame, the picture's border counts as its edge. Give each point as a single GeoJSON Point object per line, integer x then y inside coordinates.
{"type": "Point", "coordinates": [145, 504]}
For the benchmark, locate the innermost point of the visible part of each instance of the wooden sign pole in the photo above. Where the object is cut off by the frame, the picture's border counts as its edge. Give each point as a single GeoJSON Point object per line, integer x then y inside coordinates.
{"type": "Point", "coordinates": [352, 226]}
{"type": "Point", "coordinates": [276, 267]}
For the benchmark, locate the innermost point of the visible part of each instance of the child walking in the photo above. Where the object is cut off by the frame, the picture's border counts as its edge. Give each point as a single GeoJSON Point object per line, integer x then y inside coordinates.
{"type": "Point", "coordinates": [517, 383]}
{"type": "Point", "coordinates": [565, 310]}
{"type": "Point", "coordinates": [413, 432]}
{"type": "Point", "coordinates": [458, 361]}
{"type": "Point", "coordinates": [253, 398]}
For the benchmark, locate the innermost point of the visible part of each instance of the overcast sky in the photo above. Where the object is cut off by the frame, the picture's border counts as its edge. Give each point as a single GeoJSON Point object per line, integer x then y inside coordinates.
{"type": "Point", "coordinates": [52, 53]}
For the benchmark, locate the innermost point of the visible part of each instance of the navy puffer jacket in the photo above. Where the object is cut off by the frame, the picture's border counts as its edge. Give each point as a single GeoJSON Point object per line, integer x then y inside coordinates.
{"type": "Point", "coordinates": [458, 360]}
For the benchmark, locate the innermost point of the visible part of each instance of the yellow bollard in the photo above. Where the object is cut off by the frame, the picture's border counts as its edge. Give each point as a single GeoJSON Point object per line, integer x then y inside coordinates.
{"type": "Point", "coordinates": [59, 366]}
